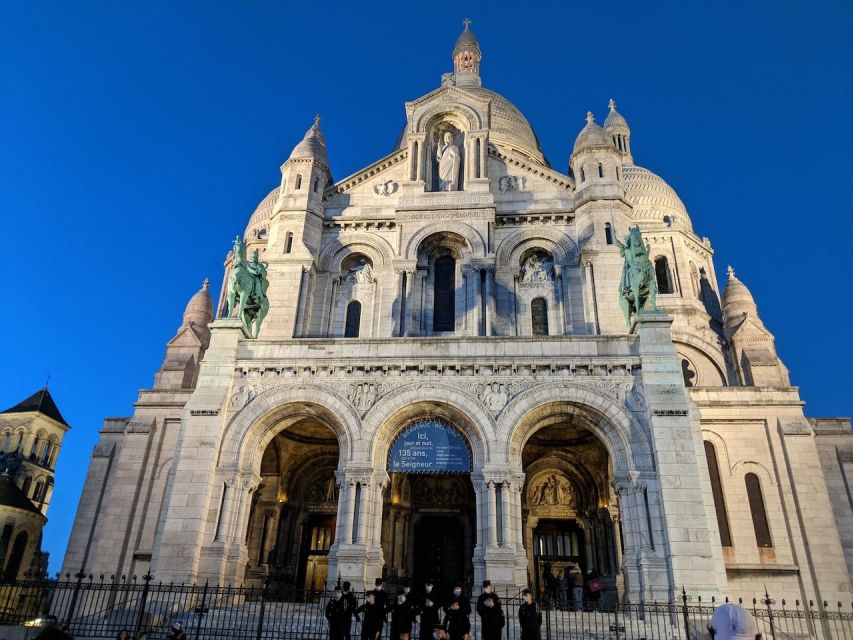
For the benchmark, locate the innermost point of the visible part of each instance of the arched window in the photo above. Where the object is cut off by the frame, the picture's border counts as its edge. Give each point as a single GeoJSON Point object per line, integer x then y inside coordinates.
{"type": "Point", "coordinates": [717, 492]}
{"type": "Point", "coordinates": [600, 170]}
{"type": "Point", "coordinates": [25, 487]}
{"type": "Point", "coordinates": [662, 274]}
{"type": "Point", "coordinates": [583, 175]}
{"type": "Point", "coordinates": [688, 373]}
{"type": "Point", "coordinates": [539, 316]}
{"type": "Point", "coordinates": [759, 513]}
{"type": "Point", "coordinates": [316, 185]}
{"type": "Point", "coordinates": [34, 449]}
{"type": "Point", "coordinates": [353, 321]}
{"type": "Point", "coordinates": [608, 233]}
{"type": "Point", "coordinates": [38, 492]}
{"type": "Point", "coordinates": [288, 242]}
{"type": "Point", "coordinates": [444, 302]}
{"type": "Point", "coordinates": [298, 181]}
{"type": "Point", "coordinates": [16, 557]}
{"type": "Point", "coordinates": [414, 174]}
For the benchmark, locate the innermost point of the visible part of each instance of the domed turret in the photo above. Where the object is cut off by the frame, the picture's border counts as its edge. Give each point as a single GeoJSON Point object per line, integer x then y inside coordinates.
{"type": "Point", "coordinates": [466, 58]}
{"type": "Point", "coordinates": [312, 146]}
{"type": "Point", "coordinates": [617, 127]}
{"type": "Point", "coordinates": [592, 136]}
{"type": "Point", "coordinates": [737, 300]}
{"type": "Point", "coordinates": [199, 309]}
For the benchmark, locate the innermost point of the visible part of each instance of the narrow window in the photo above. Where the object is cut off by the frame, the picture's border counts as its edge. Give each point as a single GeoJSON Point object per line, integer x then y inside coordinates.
{"type": "Point", "coordinates": [759, 513]}
{"type": "Point", "coordinates": [298, 181]}
{"type": "Point", "coordinates": [662, 275]}
{"type": "Point", "coordinates": [415, 161]}
{"type": "Point", "coordinates": [316, 185]}
{"type": "Point", "coordinates": [477, 157]}
{"type": "Point", "coordinates": [649, 518]}
{"type": "Point", "coordinates": [38, 492]}
{"type": "Point", "coordinates": [356, 515]}
{"type": "Point", "coordinates": [608, 233]}
{"type": "Point", "coordinates": [16, 557]}
{"type": "Point", "coordinates": [717, 491]}
{"type": "Point", "coordinates": [687, 373]}
{"type": "Point", "coordinates": [583, 175]}
{"type": "Point", "coordinates": [618, 177]}
{"type": "Point", "coordinates": [444, 302]}
{"type": "Point", "coordinates": [25, 487]}
{"type": "Point", "coordinates": [600, 170]}
{"type": "Point", "coordinates": [353, 321]}
{"type": "Point", "coordinates": [34, 448]}
{"type": "Point", "coordinates": [288, 242]}
{"type": "Point", "coordinates": [539, 316]}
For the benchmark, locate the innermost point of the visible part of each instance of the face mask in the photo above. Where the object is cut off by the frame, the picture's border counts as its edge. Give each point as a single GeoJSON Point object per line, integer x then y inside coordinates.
{"type": "Point", "coordinates": [338, 595]}
{"type": "Point", "coordinates": [529, 599]}
{"type": "Point", "coordinates": [401, 599]}
{"type": "Point", "coordinates": [429, 603]}
{"type": "Point", "coordinates": [428, 588]}
{"type": "Point", "coordinates": [457, 591]}
{"type": "Point", "coordinates": [406, 589]}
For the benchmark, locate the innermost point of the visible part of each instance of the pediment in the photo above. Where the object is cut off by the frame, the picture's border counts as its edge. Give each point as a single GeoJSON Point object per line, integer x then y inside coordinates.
{"type": "Point", "coordinates": [751, 329]}
{"type": "Point", "coordinates": [186, 337]}
{"type": "Point", "coordinates": [444, 95]}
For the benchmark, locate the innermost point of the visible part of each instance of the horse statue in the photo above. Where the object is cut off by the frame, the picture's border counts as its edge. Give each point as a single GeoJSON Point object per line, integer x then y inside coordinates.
{"type": "Point", "coordinates": [247, 289]}
{"type": "Point", "coordinates": [638, 287]}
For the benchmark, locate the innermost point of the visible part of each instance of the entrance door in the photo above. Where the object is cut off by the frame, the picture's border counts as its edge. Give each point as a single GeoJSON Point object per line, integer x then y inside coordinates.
{"type": "Point", "coordinates": [317, 537]}
{"type": "Point", "coordinates": [439, 550]}
{"type": "Point", "coordinates": [557, 545]}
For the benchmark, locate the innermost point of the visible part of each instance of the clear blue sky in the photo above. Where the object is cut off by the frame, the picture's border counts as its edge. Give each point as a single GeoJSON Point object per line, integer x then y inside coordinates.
{"type": "Point", "coordinates": [136, 139]}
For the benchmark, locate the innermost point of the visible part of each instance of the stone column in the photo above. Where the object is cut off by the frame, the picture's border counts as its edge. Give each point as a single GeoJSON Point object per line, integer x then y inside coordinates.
{"type": "Point", "coordinates": [507, 537]}
{"type": "Point", "coordinates": [479, 490]}
{"type": "Point", "coordinates": [401, 308]}
{"type": "Point", "coordinates": [491, 514]}
{"type": "Point", "coordinates": [490, 301]}
{"type": "Point", "coordinates": [363, 507]}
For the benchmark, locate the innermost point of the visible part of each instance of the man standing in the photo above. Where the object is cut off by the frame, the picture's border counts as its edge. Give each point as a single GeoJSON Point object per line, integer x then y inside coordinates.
{"type": "Point", "coordinates": [350, 605]}
{"type": "Point", "coordinates": [576, 580]}
{"type": "Point", "coordinates": [402, 618]}
{"type": "Point", "coordinates": [529, 617]}
{"type": "Point", "coordinates": [460, 597]}
{"type": "Point", "coordinates": [374, 618]}
{"type": "Point", "coordinates": [429, 609]}
{"type": "Point", "coordinates": [492, 618]}
{"type": "Point", "coordinates": [488, 593]}
{"type": "Point", "coordinates": [336, 615]}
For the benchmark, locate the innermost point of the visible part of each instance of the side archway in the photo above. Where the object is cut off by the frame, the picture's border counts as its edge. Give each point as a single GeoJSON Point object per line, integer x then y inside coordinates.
{"type": "Point", "coordinates": [561, 246]}
{"type": "Point", "coordinates": [473, 239]}
{"type": "Point", "coordinates": [377, 249]}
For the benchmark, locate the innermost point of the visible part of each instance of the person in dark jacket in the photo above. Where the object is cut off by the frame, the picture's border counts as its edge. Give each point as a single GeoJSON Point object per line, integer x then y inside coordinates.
{"type": "Point", "coordinates": [373, 617]}
{"type": "Point", "coordinates": [350, 605]}
{"type": "Point", "coordinates": [402, 618]}
{"type": "Point", "coordinates": [176, 632]}
{"type": "Point", "coordinates": [488, 593]}
{"type": "Point", "coordinates": [457, 623]}
{"type": "Point", "coordinates": [429, 610]}
{"type": "Point", "coordinates": [459, 595]}
{"type": "Point", "coordinates": [492, 618]}
{"type": "Point", "coordinates": [529, 617]}
{"type": "Point", "coordinates": [336, 614]}
{"type": "Point", "coordinates": [382, 598]}
{"type": "Point", "coordinates": [438, 633]}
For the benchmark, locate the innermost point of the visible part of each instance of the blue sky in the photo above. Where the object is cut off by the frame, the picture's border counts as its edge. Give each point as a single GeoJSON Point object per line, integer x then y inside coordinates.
{"type": "Point", "coordinates": [136, 138]}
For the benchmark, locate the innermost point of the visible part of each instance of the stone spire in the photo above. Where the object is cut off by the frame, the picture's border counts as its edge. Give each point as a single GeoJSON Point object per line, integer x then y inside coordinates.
{"type": "Point", "coordinates": [737, 301]}
{"type": "Point", "coordinates": [620, 132]}
{"type": "Point", "coordinates": [186, 349]}
{"type": "Point", "coordinates": [466, 58]}
{"type": "Point", "coordinates": [312, 146]}
{"type": "Point", "coordinates": [199, 309]}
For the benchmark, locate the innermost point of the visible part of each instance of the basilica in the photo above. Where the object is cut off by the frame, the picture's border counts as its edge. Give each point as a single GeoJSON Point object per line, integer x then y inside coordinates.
{"type": "Point", "coordinates": [429, 369]}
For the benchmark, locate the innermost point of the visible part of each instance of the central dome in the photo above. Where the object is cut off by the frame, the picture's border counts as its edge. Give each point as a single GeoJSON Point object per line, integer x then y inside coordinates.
{"type": "Point", "coordinates": [509, 128]}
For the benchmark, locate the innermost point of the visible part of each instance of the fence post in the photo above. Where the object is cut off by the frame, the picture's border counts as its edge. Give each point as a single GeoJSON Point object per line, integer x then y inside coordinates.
{"type": "Point", "coordinates": [684, 613]}
{"type": "Point", "coordinates": [200, 610]}
{"type": "Point", "coordinates": [147, 578]}
{"type": "Point", "coordinates": [261, 616]}
{"type": "Point", "coordinates": [547, 623]}
{"type": "Point", "coordinates": [767, 602]}
{"type": "Point", "coordinates": [80, 575]}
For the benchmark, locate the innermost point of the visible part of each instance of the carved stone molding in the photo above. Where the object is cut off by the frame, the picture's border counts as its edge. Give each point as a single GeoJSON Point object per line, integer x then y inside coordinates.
{"type": "Point", "coordinates": [512, 183]}
{"type": "Point", "coordinates": [386, 188]}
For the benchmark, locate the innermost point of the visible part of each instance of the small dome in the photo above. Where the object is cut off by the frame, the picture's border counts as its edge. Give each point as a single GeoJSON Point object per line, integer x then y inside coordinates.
{"type": "Point", "coordinates": [653, 199]}
{"type": "Point", "coordinates": [200, 307]}
{"type": "Point", "coordinates": [260, 218]}
{"type": "Point", "coordinates": [614, 118]}
{"type": "Point", "coordinates": [466, 39]}
{"type": "Point", "coordinates": [592, 136]}
{"type": "Point", "coordinates": [737, 299]}
{"type": "Point", "coordinates": [312, 146]}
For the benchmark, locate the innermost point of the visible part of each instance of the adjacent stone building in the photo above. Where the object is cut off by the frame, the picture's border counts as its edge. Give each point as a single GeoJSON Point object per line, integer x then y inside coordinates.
{"type": "Point", "coordinates": [445, 385]}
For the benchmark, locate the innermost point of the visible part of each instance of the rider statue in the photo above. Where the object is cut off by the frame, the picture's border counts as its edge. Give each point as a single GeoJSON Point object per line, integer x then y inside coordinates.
{"type": "Point", "coordinates": [247, 289]}
{"type": "Point", "coordinates": [638, 288]}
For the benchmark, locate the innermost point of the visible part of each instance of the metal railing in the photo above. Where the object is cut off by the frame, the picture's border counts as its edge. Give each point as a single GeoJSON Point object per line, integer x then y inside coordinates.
{"type": "Point", "coordinates": [101, 607]}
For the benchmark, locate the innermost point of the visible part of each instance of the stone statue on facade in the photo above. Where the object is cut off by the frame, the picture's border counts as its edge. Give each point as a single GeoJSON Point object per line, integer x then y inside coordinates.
{"type": "Point", "coordinates": [247, 289]}
{"type": "Point", "coordinates": [638, 287]}
{"type": "Point", "coordinates": [449, 160]}
{"type": "Point", "coordinates": [360, 273]}
{"type": "Point", "coordinates": [537, 268]}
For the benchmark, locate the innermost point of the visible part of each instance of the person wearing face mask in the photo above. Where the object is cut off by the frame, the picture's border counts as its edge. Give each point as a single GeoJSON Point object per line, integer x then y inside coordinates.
{"type": "Point", "coordinates": [460, 597]}
{"type": "Point", "coordinates": [382, 598]}
{"type": "Point", "coordinates": [373, 618]}
{"type": "Point", "coordinates": [336, 615]}
{"type": "Point", "coordinates": [438, 633]}
{"type": "Point", "coordinates": [402, 617]}
{"type": "Point", "coordinates": [488, 592]}
{"type": "Point", "coordinates": [350, 605]}
{"type": "Point", "coordinates": [492, 618]}
{"type": "Point", "coordinates": [529, 617]}
{"type": "Point", "coordinates": [429, 609]}
{"type": "Point", "coordinates": [457, 622]}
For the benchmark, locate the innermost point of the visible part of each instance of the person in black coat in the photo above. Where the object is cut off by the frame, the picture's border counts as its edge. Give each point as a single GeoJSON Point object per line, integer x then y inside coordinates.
{"type": "Point", "coordinates": [402, 618]}
{"type": "Point", "coordinates": [457, 623]}
{"type": "Point", "coordinates": [350, 605]}
{"type": "Point", "coordinates": [373, 617]}
{"type": "Point", "coordinates": [491, 618]}
{"type": "Point", "coordinates": [429, 610]}
{"type": "Point", "coordinates": [336, 614]}
{"type": "Point", "coordinates": [488, 593]}
{"type": "Point", "coordinates": [529, 617]}
{"type": "Point", "coordinates": [382, 598]}
{"type": "Point", "coordinates": [458, 595]}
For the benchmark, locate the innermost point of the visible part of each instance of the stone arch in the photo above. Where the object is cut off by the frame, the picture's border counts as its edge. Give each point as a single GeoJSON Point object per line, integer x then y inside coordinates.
{"type": "Point", "coordinates": [252, 429]}
{"type": "Point", "coordinates": [706, 350]}
{"type": "Point", "coordinates": [458, 114]}
{"type": "Point", "coordinates": [723, 458]}
{"type": "Point", "coordinates": [742, 467]}
{"type": "Point", "coordinates": [375, 247]}
{"type": "Point", "coordinates": [405, 404]}
{"type": "Point", "coordinates": [569, 465]}
{"type": "Point", "coordinates": [561, 246]}
{"type": "Point", "coordinates": [474, 240]}
{"type": "Point", "coordinates": [622, 435]}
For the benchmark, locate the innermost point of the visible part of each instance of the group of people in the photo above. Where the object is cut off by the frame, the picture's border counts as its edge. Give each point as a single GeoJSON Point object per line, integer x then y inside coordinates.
{"type": "Point", "coordinates": [436, 615]}
{"type": "Point", "coordinates": [559, 586]}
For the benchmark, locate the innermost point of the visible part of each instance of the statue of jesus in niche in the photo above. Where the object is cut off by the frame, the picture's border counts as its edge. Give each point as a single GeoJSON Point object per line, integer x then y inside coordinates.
{"type": "Point", "coordinates": [449, 160]}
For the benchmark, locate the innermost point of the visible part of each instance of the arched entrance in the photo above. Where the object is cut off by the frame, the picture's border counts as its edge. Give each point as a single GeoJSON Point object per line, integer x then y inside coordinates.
{"type": "Point", "coordinates": [293, 515]}
{"type": "Point", "coordinates": [429, 513]}
{"type": "Point", "coordinates": [568, 508]}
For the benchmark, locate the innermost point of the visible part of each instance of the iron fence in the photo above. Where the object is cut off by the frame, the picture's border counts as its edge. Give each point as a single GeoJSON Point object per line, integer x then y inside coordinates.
{"type": "Point", "coordinates": [100, 608]}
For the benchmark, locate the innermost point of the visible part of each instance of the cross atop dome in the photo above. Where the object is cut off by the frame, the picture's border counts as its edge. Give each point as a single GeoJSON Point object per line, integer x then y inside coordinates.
{"type": "Point", "coordinates": [467, 57]}
{"type": "Point", "coordinates": [467, 23]}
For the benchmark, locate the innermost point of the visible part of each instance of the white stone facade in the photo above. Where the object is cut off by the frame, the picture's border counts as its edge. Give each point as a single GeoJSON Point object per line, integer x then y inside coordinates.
{"type": "Point", "coordinates": [495, 308]}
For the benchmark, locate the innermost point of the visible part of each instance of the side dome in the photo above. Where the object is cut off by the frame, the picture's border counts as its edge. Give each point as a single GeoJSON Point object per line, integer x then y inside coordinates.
{"type": "Point", "coordinates": [200, 307]}
{"type": "Point", "coordinates": [592, 135]}
{"type": "Point", "coordinates": [737, 298]}
{"type": "Point", "coordinates": [260, 218]}
{"type": "Point", "coordinates": [654, 201]}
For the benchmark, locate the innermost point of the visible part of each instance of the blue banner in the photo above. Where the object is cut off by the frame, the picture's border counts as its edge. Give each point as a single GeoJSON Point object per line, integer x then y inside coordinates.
{"type": "Point", "coordinates": [430, 446]}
